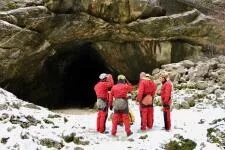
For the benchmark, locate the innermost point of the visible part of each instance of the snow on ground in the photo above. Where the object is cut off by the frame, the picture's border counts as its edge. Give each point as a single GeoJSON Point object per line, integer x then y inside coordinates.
{"type": "Point", "coordinates": [27, 128]}
{"type": "Point", "coordinates": [184, 122]}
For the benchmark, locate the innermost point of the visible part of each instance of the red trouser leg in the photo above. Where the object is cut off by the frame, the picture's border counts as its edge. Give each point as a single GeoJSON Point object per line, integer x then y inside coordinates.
{"type": "Point", "coordinates": [126, 121]}
{"type": "Point", "coordinates": [98, 121]}
{"type": "Point", "coordinates": [115, 121]}
{"type": "Point", "coordinates": [167, 121]}
{"type": "Point", "coordinates": [102, 120]}
{"type": "Point", "coordinates": [150, 117]}
{"type": "Point", "coordinates": [144, 113]}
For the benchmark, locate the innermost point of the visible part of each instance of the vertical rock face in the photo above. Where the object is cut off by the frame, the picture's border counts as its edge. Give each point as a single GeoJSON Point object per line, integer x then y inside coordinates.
{"type": "Point", "coordinates": [14, 4]}
{"type": "Point", "coordinates": [133, 58]}
{"type": "Point", "coordinates": [42, 43]}
{"type": "Point", "coordinates": [64, 6]}
{"type": "Point", "coordinates": [174, 6]}
{"type": "Point", "coordinates": [123, 11]}
{"type": "Point", "coordinates": [182, 51]}
{"type": "Point", "coordinates": [208, 7]}
{"type": "Point", "coordinates": [111, 10]}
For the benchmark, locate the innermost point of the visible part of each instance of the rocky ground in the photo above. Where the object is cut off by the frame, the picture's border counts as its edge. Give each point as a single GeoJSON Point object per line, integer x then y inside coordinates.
{"type": "Point", "coordinates": [197, 117]}
{"type": "Point", "coordinates": [196, 83]}
{"type": "Point", "coordinates": [27, 126]}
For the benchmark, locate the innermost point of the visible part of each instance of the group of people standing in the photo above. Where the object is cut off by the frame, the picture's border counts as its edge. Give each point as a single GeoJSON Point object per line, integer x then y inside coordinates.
{"type": "Point", "coordinates": [110, 96]}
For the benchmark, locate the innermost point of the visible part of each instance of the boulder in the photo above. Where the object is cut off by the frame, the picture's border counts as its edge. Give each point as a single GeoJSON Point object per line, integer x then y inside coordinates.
{"type": "Point", "coordinates": [185, 105]}
{"type": "Point", "coordinates": [221, 78]}
{"type": "Point", "coordinates": [202, 69]}
{"type": "Point", "coordinates": [221, 59]}
{"type": "Point", "coordinates": [218, 92]}
{"type": "Point", "coordinates": [175, 77]}
{"type": "Point", "coordinates": [213, 75]}
{"type": "Point", "coordinates": [211, 89]}
{"type": "Point", "coordinates": [187, 64]}
{"type": "Point", "coordinates": [155, 71]}
{"type": "Point", "coordinates": [3, 106]}
{"type": "Point", "coordinates": [221, 66]}
{"type": "Point", "coordinates": [50, 143]}
{"type": "Point", "coordinates": [191, 85]}
{"type": "Point", "coordinates": [201, 85]}
{"type": "Point", "coordinates": [213, 64]}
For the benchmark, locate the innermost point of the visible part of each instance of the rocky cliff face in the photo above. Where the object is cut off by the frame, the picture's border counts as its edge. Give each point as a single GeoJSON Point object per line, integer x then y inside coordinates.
{"type": "Point", "coordinates": [41, 41]}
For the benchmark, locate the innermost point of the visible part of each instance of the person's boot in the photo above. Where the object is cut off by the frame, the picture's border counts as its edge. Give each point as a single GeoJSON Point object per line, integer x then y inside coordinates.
{"type": "Point", "coordinates": [141, 131]}
{"type": "Point", "coordinates": [105, 132]}
{"type": "Point", "coordinates": [129, 133]}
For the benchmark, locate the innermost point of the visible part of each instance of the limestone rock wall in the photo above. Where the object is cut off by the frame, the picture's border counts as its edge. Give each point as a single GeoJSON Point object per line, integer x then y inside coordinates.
{"type": "Point", "coordinates": [124, 33]}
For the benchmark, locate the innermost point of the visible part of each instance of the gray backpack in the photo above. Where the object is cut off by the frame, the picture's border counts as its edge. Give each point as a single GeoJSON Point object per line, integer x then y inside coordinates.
{"type": "Point", "coordinates": [120, 104]}
{"type": "Point", "coordinates": [101, 104]}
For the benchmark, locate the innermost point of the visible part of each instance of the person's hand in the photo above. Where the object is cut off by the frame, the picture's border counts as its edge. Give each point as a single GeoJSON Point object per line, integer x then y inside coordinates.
{"type": "Point", "coordinates": [137, 103]}
{"type": "Point", "coordinates": [111, 107]}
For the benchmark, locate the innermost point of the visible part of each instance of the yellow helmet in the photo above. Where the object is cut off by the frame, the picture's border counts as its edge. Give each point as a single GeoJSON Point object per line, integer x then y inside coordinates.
{"type": "Point", "coordinates": [121, 77]}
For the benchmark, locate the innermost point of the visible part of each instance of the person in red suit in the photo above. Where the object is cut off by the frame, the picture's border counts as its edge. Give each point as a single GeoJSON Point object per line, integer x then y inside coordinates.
{"type": "Point", "coordinates": [101, 89]}
{"type": "Point", "coordinates": [120, 104]}
{"type": "Point", "coordinates": [145, 96]}
{"type": "Point", "coordinates": [166, 90]}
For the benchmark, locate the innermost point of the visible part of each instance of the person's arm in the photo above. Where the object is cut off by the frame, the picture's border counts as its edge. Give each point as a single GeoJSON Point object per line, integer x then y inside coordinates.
{"type": "Point", "coordinates": [140, 91]}
{"type": "Point", "coordinates": [110, 95]}
{"type": "Point", "coordinates": [167, 94]}
{"type": "Point", "coordinates": [154, 88]}
{"type": "Point", "coordinates": [129, 86]}
{"type": "Point", "coordinates": [109, 81]}
{"type": "Point", "coordinates": [95, 88]}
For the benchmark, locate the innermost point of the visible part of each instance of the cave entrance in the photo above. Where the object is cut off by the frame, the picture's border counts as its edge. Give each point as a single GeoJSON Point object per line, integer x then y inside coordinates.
{"type": "Point", "coordinates": [76, 70]}
{"type": "Point", "coordinates": [81, 75]}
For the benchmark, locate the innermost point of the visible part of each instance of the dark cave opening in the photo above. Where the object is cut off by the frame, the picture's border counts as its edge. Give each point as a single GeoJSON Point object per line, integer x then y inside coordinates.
{"type": "Point", "coordinates": [74, 71]}
{"type": "Point", "coordinates": [81, 75]}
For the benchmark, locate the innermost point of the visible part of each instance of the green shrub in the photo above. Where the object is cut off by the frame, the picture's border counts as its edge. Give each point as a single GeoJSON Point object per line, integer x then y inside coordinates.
{"type": "Point", "coordinates": [191, 103]}
{"type": "Point", "coordinates": [183, 144]}
{"type": "Point", "coordinates": [12, 5]}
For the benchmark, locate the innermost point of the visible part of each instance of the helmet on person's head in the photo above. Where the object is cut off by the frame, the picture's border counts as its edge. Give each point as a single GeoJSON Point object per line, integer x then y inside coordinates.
{"type": "Point", "coordinates": [121, 77]}
{"type": "Point", "coordinates": [164, 74]}
{"type": "Point", "coordinates": [102, 76]}
{"type": "Point", "coordinates": [149, 76]}
{"type": "Point", "coordinates": [142, 75]}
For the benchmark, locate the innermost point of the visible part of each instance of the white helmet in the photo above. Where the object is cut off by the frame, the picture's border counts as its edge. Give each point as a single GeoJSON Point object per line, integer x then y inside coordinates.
{"type": "Point", "coordinates": [102, 76]}
{"type": "Point", "coordinates": [142, 75]}
{"type": "Point", "coordinates": [147, 75]}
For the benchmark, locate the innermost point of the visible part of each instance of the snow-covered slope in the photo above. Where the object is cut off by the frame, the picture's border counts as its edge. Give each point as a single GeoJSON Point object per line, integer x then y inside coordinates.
{"type": "Point", "coordinates": [38, 128]}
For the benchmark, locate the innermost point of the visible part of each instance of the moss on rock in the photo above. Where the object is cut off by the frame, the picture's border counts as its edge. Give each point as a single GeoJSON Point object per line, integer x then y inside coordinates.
{"type": "Point", "coordinates": [69, 138]}
{"type": "Point", "coordinates": [51, 143]}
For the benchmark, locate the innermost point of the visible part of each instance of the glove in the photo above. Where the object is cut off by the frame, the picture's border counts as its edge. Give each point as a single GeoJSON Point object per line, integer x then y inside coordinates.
{"type": "Point", "coordinates": [110, 107]}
